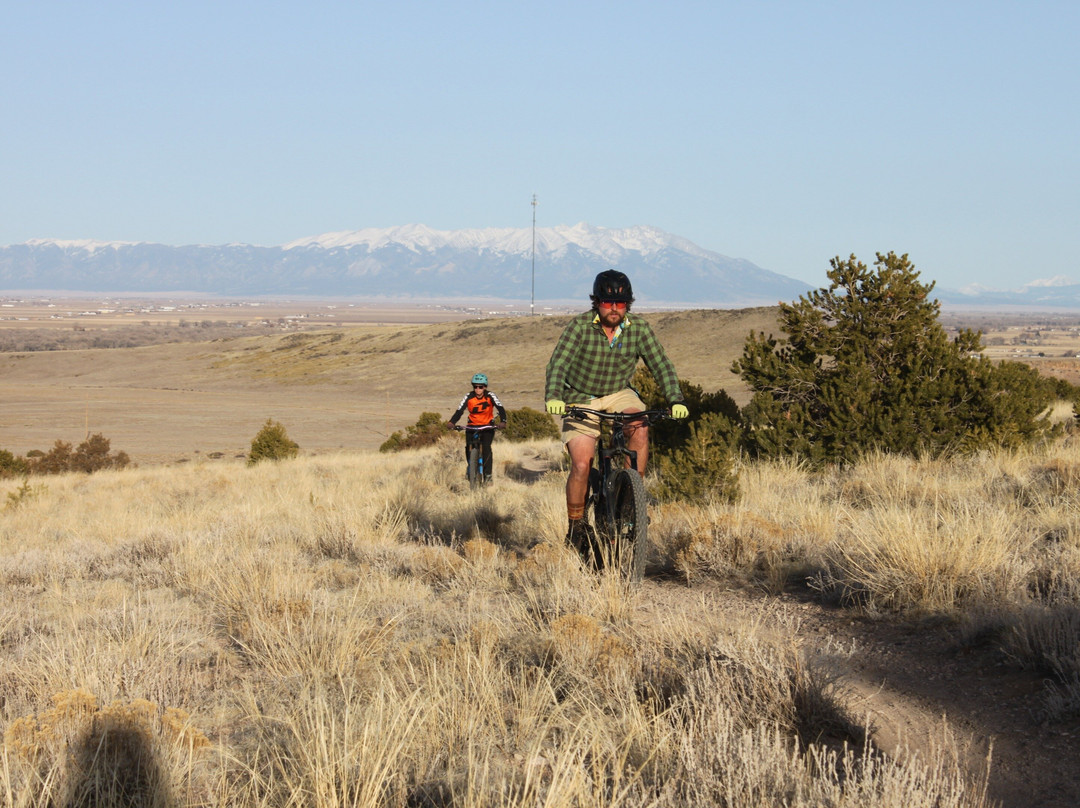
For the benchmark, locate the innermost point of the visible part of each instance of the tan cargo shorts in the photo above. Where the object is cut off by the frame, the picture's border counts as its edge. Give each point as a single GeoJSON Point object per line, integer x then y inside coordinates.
{"type": "Point", "coordinates": [617, 402]}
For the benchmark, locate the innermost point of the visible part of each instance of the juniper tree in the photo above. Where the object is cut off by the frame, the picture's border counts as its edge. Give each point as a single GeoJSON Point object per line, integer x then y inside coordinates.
{"type": "Point", "coordinates": [272, 442]}
{"type": "Point", "coordinates": [867, 365]}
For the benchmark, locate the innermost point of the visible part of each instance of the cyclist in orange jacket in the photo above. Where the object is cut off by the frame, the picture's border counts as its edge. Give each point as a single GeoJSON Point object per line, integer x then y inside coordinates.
{"type": "Point", "coordinates": [482, 405]}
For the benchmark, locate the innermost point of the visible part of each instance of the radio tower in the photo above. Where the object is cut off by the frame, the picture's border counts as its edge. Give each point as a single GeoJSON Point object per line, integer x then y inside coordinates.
{"type": "Point", "coordinates": [532, 294]}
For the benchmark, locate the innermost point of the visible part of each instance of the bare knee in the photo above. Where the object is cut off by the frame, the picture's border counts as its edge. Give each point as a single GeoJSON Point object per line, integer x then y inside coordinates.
{"type": "Point", "coordinates": [581, 452]}
{"type": "Point", "coordinates": [579, 466]}
{"type": "Point", "coordinates": [637, 435]}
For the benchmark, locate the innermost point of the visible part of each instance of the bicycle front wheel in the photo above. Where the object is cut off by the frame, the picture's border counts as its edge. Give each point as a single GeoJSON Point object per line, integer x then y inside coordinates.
{"type": "Point", "coordinates": [474, 464]}
{"type": "Point", "coordinates": [631, 516]}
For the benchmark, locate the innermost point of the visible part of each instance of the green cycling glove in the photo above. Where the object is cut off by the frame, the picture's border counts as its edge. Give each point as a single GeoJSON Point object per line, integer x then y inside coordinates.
{"type": "Point", "coordinates": [679, 411]}
{"type": "Point", "coordinates": [556, 407]}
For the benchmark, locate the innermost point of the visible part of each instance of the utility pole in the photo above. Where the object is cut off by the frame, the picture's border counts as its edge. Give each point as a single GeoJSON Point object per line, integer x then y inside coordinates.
{"type": "Point", "coordinates": [532, 295]}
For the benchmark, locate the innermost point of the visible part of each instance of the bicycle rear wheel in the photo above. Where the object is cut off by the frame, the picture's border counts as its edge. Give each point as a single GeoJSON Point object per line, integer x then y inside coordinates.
{"type": "Point", "coordinates": [631, 512]}
{"type": "Point", "coordinates": [474, 472]}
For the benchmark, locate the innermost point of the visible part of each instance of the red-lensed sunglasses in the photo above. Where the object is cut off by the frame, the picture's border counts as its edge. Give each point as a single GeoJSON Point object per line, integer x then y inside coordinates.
{"type": "Point", "coordinates": [613, 304]}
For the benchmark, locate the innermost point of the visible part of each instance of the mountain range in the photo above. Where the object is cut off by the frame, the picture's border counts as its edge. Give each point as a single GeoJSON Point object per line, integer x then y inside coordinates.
{"type": "Point", "coordinates": [410, 261]}
{"type": "Point", "coordinates": [420, 263]}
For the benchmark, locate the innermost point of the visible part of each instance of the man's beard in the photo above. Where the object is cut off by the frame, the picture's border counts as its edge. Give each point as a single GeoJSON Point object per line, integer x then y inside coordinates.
{"type": "Point", "coordinates": [612, 318]}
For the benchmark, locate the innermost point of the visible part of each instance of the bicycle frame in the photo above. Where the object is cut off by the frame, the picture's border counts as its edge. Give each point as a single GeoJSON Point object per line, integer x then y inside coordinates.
{"type": "Point", "coordinates": [617, 447]}
{"type": "Point", "coordinates": [475, 469]}
{"type": "Point", "coordinates": [616, 495]}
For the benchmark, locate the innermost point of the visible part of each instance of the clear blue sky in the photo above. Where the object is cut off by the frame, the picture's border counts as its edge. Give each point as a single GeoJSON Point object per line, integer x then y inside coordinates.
{"type": "Point", "coordinates": [784, 133]}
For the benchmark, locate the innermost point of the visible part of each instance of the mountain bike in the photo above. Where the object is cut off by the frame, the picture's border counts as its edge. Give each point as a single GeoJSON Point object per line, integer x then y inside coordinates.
{"type": "Point", "coordinates": [616, 495]}
{"type": "Point", "coordinates": [475, 468]}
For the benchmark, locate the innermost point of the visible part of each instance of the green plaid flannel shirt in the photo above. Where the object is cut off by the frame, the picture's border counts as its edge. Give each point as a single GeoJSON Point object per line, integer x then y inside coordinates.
{"type": "Point", "coordinates": [584, 365]}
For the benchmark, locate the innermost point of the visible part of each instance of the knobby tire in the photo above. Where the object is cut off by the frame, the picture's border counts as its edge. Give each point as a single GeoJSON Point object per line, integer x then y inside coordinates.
{"type": "Point", "coordinates": [474, 464]}
{"type": "Point", "coordinates": [631, 510]}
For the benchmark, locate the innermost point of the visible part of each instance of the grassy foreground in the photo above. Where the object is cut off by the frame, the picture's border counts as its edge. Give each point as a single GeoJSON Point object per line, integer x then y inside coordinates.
{"type": "Point", "coordinates": [363, 630]}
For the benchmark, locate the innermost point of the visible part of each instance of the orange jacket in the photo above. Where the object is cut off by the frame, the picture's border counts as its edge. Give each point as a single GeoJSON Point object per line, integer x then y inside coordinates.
{"type": "Point", "coordinates": [481, 409]}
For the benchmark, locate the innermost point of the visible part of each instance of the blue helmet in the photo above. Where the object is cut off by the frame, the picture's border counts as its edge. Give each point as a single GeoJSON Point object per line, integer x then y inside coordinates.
{"type": "Point", "coordinates": [480, 378]}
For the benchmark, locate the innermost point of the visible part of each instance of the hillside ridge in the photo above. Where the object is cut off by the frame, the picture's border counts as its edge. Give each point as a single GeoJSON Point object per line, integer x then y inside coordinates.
{"type": "Point", "coordinates": [333, 388]}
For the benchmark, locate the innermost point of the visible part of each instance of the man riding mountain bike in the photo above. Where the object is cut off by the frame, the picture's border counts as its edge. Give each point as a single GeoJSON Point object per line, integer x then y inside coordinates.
{"type": "Point", "coordinates": [482, 405]}
{"type": "Point", "coordinates": [592, 366]}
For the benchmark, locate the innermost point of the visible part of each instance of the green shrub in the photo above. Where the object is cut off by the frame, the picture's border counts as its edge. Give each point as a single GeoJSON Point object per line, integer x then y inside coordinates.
{"type": "Point", "coordinates": [272, 443]}
{"type": "Point", "coordinates": [1063, 389]}
{"type": "Point", "coordinates": [24, 493]}
{"type": "Point", "coordinates": [427, 431]}
{"type": "Point", "coordinates": [529, 424]}
{"type": "Point", "coordinates": [702, 467]}
{"type": "Point", "coordinates": [12, 465]}
{"type": "Point", "coordinates": [55, 461]}
{"type": "Point", "coordinates": [671, 434]}
{"type": "Point", "coordinates": [93, 454]}
{"type": "Point", "coordinates": [695, 455]}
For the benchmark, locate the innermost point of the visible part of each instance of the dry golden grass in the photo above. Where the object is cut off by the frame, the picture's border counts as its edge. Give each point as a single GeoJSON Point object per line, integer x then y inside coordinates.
{"type": "Point", "coordinates": [897, 534]}
{"type": "Point", "coordinates": [363, 629]}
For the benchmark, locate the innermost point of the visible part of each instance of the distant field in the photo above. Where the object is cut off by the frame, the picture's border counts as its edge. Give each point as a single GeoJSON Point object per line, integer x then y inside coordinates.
{"type": "Point", "coordinates": [1049, 342]}
{"type": "Point", "coordinates": [336, 383]}
{"type": "Point", "coordinates": [108, 312]}
{"type": "Point", "coordinates": [172, 381]}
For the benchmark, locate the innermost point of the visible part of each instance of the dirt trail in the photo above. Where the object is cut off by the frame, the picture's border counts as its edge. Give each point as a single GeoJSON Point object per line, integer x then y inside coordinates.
{"type": "Point", "coordinates": [906, 679]}
{"type": "Point", "coordinates": [917, 685]}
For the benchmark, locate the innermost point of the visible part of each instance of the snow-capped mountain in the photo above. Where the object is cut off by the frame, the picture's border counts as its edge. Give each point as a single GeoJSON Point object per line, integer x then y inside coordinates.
{"type": "Point", "coordinates": [1056, 292]}
{"type": "Point", "coordinates": [553, 241]}
{"type": "Point", "coordinates": [407, 261]}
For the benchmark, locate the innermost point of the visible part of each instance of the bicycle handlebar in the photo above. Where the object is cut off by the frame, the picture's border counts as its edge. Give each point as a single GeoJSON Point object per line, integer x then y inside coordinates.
{"type": "Point", "coordinates": [459, 428]}
{"type": "Point", "coordinates": [649, 415]}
